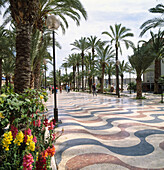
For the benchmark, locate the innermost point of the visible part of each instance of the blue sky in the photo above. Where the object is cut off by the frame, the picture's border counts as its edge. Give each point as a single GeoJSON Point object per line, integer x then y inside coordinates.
{"type": "Point", "coordinates": [102, 14]}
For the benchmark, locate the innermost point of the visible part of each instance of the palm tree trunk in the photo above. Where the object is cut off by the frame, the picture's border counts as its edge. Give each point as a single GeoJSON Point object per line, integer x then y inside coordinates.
{"type": "Point", "coordinates": [74, 70]}
{"type": "Point", "coordinates": [102, 78]}
{"type": "Point", "coordinates": [22, 66]}
{"type": "Point", "coordinates": [139, 86]}
{"type": "Point", "coordinates": [117, 73]}
{"type": "Point", "coordinates": [109, 79]}
{"type": "Point", "coordinates": [122, 80]}
{"type": "Point", "coordinates": [93, 54]}
{"type": "Point", "coordinates": [32, 80]}
{"type": "Point", "coordinates": [82, 55]}
{"type": "Point", "coordinates": [78, 77]}
{"type": "Point", "coordinates": [157, 74]}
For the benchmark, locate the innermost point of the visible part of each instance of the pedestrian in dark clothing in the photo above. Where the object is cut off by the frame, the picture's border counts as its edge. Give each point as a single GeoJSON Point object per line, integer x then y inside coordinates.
{"type": "Point", "coordinates": [94, 89]}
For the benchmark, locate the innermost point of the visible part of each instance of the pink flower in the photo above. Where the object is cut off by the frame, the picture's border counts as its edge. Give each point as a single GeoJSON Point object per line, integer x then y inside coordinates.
{"type": "Point", "coordinates": [14, 131]}
{"type": "Point", "coordinates": [27, 132]}
{"type": "Point", "coordinates": [53, 136]}
{"type": "Point", "coordinates": [35, 139]}
{"type": "Point", "coordinates": [51, 126]}
{"type": "Point", "coordinates": [27, 162]}
{"type": "Point", "coordinates": [38, 123]}
{"type": "Point", "coordinates": [32, 115]}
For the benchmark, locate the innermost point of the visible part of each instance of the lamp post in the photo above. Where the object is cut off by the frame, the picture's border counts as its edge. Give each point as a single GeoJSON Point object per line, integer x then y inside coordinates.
{"type": "Point", "coordinates": [53, 24]}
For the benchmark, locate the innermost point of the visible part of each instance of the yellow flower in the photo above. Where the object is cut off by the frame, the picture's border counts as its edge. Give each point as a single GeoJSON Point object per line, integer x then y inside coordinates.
{"type": "Point", "coordinates": [29, 139]}
{"type": "Point", "coordinates": [41, 97]}
{"type": "Point", "coordinates": [37, 156]}
{"type": "Point", "coordinates": [19, 138]}
{"type": "Point", "coordinates": [31, 147]}
{"type": "Point", "coordinates": [1, 115]}
{"type": "Point", "coordinates": [30, 143]}
{"type": "Point", "coordinates": [6, 141]}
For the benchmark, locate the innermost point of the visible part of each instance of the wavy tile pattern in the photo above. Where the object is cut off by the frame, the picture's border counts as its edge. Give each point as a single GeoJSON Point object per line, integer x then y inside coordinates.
{"type": "Point", "coordinates": [109, 133]}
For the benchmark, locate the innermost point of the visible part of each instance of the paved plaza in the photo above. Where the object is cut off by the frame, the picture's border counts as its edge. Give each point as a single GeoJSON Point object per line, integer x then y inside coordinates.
{"type": "Point", "coordinates": [106, 133]}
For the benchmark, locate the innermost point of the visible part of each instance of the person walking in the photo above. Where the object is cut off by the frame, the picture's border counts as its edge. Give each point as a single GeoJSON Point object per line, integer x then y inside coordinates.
{"type": "Point", "coordinates": [67, 88]}
{"type": "Point", "coordinates": [60, 89]}
{"type": "Point", "coordinates": [94, 89]}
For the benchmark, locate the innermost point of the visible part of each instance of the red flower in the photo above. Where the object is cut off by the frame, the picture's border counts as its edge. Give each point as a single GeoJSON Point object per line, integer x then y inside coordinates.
{"type": "Point", "coordinates": [51, 126]}
{"type": "Point", "coordinates": [45, 122]}
{"type": "Point", "coordinates": [27, 132]}
{"type": "Point", "coordinates": [54, 121]}
{"type": "Point", "coordinates": [14, 131]}
{"type": "Point", "coordinates": [51, 151]}
{"type": "Point", "coordinates": [33, 123]}
{"type": "Point", "coordinates": [41, 163]}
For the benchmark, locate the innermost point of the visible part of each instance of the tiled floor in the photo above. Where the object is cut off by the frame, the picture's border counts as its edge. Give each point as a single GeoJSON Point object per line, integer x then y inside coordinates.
{"type": "Point", "coordinates": [106, 133]}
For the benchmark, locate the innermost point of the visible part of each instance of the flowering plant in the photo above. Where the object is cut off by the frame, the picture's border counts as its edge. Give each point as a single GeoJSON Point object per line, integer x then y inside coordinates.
{"type": "Point", "coordinates": [24, 144]}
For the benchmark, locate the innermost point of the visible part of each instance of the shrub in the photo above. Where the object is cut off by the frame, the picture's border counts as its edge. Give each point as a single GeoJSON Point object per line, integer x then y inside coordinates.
{"type": "Point", "coordinates": [23, 144]}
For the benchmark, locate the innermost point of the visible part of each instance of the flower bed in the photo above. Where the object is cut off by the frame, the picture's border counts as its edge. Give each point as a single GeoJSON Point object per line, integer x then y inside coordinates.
{"type": "Point", "coordinates": [23, 144]}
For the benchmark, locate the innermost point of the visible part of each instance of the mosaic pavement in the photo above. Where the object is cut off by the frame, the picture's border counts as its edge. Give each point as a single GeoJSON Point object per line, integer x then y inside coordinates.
{"type": "Point", "coordinates": [106, 133]}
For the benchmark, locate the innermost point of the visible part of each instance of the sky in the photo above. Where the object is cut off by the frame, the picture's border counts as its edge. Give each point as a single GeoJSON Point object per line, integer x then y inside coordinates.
{"type": "Point", "coordinates": [101, 14]}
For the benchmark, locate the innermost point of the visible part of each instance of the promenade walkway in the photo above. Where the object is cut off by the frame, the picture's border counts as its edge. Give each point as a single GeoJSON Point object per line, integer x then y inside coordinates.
{"type": "Point", "coordinates": [106, 133]}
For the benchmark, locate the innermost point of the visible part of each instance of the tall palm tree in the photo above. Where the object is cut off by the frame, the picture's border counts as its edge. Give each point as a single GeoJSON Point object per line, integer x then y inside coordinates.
{"type": "Point", "coordinates": [24, 14]}
{"type": "Point", "coordinates": [118, 34]}
{"type": "Point", "coordinates": [110, 70]}
{"type": "Point", "coordinates": [93, 42]}
{"type": "Point", "coordinates": [156, 45]}
{"type": "Point", "coordinates": [104, 56]}
{"type": "Point", "coordinates": [65, 66]}
{"type": "Point", "coordinates": [140, 61]}
{"type": "Point", "coordinates": [81, 45]}
{"type": "Point", "coordinates": [72, 63]}
{"type": "Point", "coordinates": [123, 67]}
{"type": "Point", "coordinates": [7, 47]}
{"type": "Point", "coordinates": [155, 22]}
{"type": "Point", "coordinates": [32, 14]}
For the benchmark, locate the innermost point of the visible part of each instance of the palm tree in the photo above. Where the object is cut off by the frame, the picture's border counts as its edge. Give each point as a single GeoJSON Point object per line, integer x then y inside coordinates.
{"type": "Point", "coordinates": [123, 67]}
{"type": "Point", "coordinates": [72, 63]}
{"type": "Point", "coordinates": [155, 22]}
{"type": "Point", "coordinates": [81, 45]}
{"type": "Point", "coordinates": [156, 44]}
{"type": "Point", "coordinates": [32, 14]}
{"type": "Point", "coordinates": [110, 70]}
{"type": "Point", "coordinates": [24, 14]}
{"type": "Point", "coordinates": [140, 61]}
{"type": "Point", "coordinates": [65, 66]}
{"type": "Point", "coordinates": [104, 56]}
{"type": "Point", "coordinates": [93, 42]}
{"type": "Point", "coordinates": [119, 34]}
{"type": "Point", "coordinates": [7, 49]}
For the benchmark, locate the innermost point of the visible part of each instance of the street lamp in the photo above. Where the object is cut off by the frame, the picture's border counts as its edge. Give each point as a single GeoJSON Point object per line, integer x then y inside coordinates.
{"type": "Point", "coordinates": [53, 24]}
